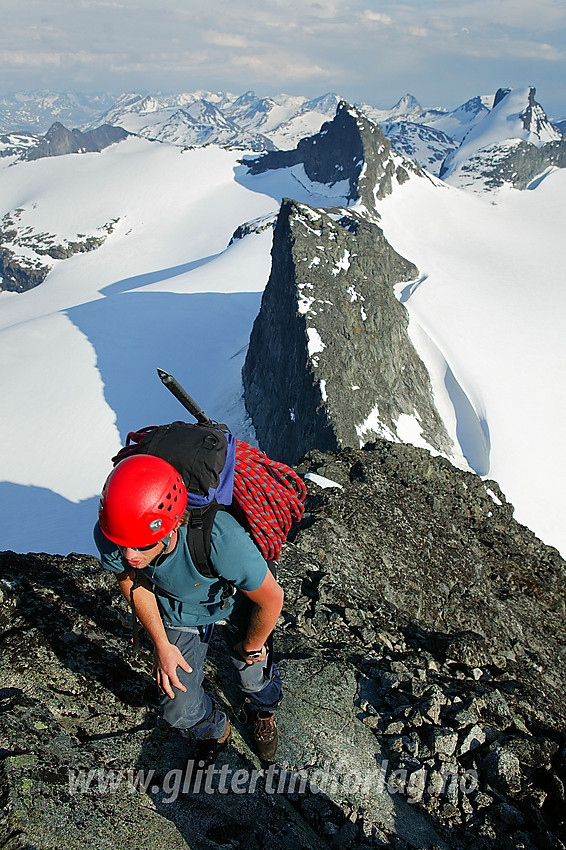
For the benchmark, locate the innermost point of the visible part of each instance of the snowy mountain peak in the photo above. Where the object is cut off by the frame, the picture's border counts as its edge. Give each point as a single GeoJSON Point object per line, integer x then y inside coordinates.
{"type": "Point", "coordinates": [406, 109]}
{"type": "Point", "coordinates": [199, 118]}
{"type": "Point", "coordinates": [407, 105]}
{"type": "Point", "coordinates": [245, 99]}
{"type": "Point", "coordinates": [148, 104]}
{"type": "Point", "coordinates": [516, 118]}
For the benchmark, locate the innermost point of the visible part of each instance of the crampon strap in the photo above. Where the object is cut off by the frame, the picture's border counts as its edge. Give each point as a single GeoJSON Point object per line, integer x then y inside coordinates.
{"type": "Point", "coordinates": [270, 495]}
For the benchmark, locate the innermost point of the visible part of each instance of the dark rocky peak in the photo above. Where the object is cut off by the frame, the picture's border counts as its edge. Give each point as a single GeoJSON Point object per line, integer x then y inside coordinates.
{"type": "Point", "coordinates": [499, 95]}
{"type": "Point", "coordinates": [330, 362]}
{"type": "Point", "coordinates": [59, 141]}
{"type": "Point", "coordinates": [349, 149]}
{"type": "Point", "coordinates": [534, 117]}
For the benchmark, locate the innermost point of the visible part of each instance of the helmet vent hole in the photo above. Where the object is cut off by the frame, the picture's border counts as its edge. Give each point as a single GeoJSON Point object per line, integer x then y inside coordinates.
{"type": "Point", "coordinates": [160, 507]}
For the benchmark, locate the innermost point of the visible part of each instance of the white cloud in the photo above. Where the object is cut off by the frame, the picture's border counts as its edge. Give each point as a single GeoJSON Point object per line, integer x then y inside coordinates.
{"type": "Point", "coordinates": [355, 47]}
{"type": "Point", "coordinates": [419, 32]}
{"type": "Point", "coordinates": [281, 66]}
{"type": "Point", "coordinates": [376, 17]}
{"type": "Point", "coordinates": [225, 39]}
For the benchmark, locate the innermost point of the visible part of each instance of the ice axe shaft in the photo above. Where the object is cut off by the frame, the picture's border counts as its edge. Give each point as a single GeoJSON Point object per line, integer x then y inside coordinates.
{"type": "Point", "coordinates": [182, 395]}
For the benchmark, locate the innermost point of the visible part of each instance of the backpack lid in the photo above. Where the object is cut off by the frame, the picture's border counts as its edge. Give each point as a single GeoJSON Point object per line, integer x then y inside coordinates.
{"type": "Point", "coordinates": [204, 457]}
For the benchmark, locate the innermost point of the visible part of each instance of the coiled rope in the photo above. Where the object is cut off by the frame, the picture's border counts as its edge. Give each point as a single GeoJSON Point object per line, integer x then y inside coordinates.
{"type": "Point", "coordinates": [270, 494]}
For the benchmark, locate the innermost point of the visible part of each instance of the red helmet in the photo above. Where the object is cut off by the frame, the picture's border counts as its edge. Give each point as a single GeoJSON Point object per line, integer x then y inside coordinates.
{"type": "Point", "coordinates": [142, 500]}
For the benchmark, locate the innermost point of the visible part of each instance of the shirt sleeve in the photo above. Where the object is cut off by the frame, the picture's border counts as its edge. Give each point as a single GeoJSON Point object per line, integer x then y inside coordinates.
{"type": "Point", "coordinates": [234, 554]}
{"type": "Point", "coordinates": [110, 556]}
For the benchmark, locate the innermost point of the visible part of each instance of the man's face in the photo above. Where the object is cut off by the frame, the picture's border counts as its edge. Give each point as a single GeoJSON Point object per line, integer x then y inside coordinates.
{"type": "Point", "coordinates": [140, 558]}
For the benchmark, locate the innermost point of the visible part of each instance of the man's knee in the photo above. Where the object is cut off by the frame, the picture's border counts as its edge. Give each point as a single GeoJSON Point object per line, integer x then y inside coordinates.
{"type": "Point", "coordinates": [186, 709]}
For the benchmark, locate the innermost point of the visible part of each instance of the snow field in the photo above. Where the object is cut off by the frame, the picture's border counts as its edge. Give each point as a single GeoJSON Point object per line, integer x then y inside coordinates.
{"type": "Point", "coordinates": [492, 303]}
{"type": "Point", "coordinates": [78, 354]}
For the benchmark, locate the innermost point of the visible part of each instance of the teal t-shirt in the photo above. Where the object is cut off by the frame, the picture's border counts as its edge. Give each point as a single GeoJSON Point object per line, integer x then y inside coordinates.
{"type": "Point", "coordinates": [185, 597]}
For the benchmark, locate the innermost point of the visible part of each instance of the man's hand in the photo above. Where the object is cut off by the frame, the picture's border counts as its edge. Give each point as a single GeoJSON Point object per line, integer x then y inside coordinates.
{"type": "Point", "coordinates": [166, 659]}
{"type": "Point", "coordinates": [239, 648]}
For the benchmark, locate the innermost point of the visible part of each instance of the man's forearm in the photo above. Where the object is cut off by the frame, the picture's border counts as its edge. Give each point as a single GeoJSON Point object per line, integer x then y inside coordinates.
{"type": "Point", "coordinates": [262, 622]}
{"type": "Point", "coordinates": [147, 611]}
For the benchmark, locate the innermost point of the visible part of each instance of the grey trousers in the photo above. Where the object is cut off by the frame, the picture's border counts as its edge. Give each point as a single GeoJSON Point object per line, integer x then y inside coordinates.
{"type": "Point", "coordinates": [193, 709]}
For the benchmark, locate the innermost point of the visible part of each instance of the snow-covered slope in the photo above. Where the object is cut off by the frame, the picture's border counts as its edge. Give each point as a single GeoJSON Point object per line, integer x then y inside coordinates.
{"type": "Point", "coordinates": [78, 353]}
{"type": "Point", "coordinates": [487, 318]}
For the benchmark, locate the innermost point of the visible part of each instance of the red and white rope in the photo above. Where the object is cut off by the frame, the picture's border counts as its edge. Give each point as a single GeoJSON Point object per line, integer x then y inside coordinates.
{"type": "Point", "coordinates": [270, 494]}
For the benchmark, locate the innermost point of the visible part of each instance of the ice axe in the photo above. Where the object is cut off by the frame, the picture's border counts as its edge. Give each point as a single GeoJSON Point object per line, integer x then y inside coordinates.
{"type": "Point", "coordinates": [188, 403]}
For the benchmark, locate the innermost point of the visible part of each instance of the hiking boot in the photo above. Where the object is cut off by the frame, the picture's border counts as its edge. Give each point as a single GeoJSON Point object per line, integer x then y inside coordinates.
{"type": "Point", "coordinates": [206, 749]}
{"type": "Point", "coordinates": [264, 732]}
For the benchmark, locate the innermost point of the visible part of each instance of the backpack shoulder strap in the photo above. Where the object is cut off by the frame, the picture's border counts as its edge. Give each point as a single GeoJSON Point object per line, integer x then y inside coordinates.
{"type": "Point", "coordinates": [199, 529]}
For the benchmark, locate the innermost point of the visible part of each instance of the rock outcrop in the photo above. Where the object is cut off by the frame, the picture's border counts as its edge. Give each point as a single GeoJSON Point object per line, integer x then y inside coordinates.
{"type": "Point", "coordinates": [516, 164]}
{"type": "Point", "coordinates": [422, 650]}
{"type": "Point", "coordinates": [330, 362]}
{"type": "Point", "coordinates": [59, 141]}
{"type": "Point", "coordinates": [27, 256]}
{"type": "Point", "coordinates": [349, 149]}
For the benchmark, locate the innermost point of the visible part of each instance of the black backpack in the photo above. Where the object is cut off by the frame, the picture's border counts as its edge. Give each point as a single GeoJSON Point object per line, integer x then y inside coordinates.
{"type": "Point", "coordinates": [205, 458]}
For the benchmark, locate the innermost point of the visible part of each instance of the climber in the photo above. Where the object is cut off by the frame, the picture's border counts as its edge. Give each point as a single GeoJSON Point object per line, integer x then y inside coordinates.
{"type": "Point", "coordinates": [142, 538]}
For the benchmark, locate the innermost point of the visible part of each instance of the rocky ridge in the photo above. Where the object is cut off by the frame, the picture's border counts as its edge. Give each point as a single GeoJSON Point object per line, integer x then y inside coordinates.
{"type": "Point", "coordinates": [351, 150]}
{"type": "Point", "coordinates": [17, 144]}
{"type": "Point", "coordinates": [330, 362]}
{"type": "Point", "coordinates": [59, 141]}
{"type": "Point", "coordinates": [421, 646]}
{"type": "Point", "coordinates": [519, 164]}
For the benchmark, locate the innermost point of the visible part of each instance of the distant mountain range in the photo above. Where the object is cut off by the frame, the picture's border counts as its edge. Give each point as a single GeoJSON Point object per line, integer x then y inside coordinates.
{"type": "Point", "coordinates": [427, 136]}
{"type": "Point", "coordinates": [34, 112]}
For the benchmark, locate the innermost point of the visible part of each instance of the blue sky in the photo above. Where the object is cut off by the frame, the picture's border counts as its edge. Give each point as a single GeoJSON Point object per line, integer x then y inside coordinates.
{"type": "Point", "coordinates": [442, 51]}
